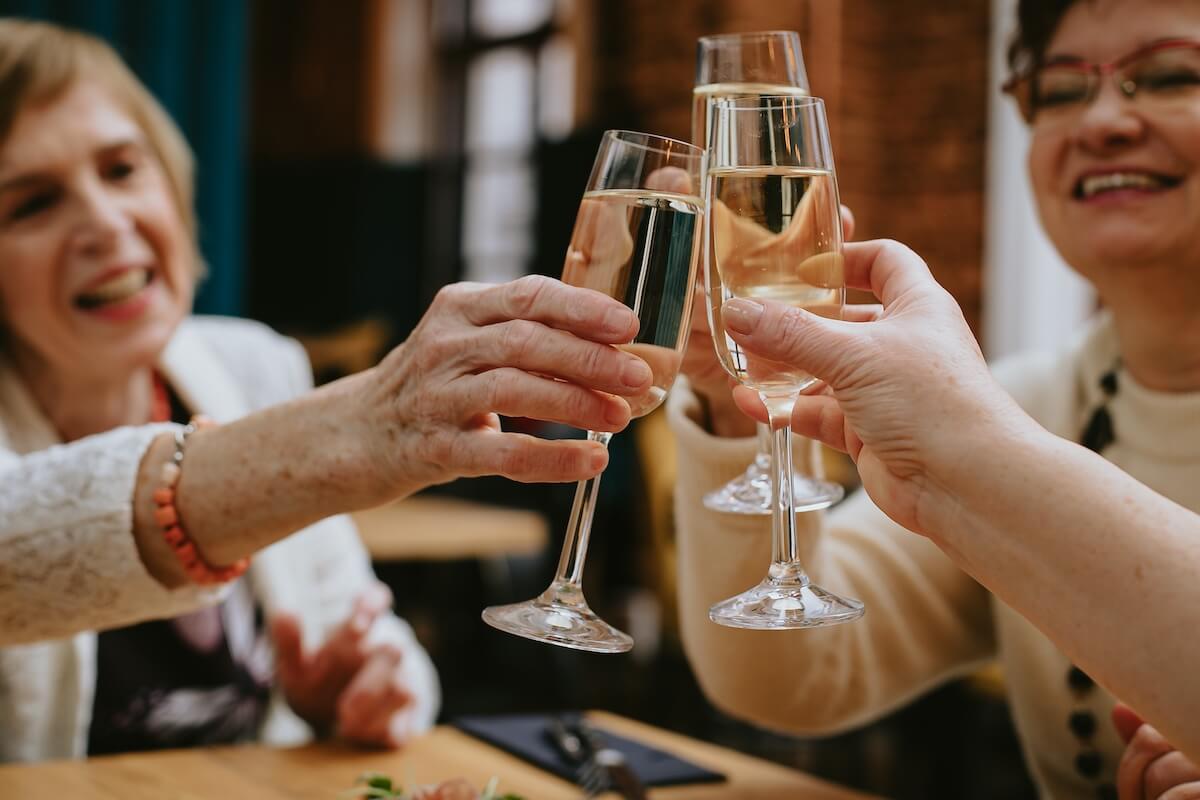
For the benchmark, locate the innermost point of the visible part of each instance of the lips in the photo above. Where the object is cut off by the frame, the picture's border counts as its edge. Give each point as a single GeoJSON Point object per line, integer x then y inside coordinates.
{"type": "Point", "coordinates": [116, 288]}
{"type": "Point", "coordinates": [1099, 183]}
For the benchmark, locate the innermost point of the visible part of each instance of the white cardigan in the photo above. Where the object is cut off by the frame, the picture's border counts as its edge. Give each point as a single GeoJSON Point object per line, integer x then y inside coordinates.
{"type": "Point", "coordinates": [69, 565]}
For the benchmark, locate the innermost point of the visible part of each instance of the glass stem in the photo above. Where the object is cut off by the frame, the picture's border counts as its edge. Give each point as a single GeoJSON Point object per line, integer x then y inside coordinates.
{"type": "Point", "coordinates": [785, 544]}
{"type": "Point", "coordinates": [762, 459]}
{"type": "Point", "coordinates": [567, 586]}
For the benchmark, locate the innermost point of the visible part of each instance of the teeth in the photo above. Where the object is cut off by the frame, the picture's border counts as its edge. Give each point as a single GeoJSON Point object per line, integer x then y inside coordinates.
{"type": "Point", "coordinates": [115, 289]}
{"type": "Point", "coordinates": [1094, 184]}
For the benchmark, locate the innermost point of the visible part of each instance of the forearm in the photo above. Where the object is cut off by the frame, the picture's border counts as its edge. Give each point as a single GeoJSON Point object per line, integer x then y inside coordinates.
{"type": "Point", "coordinates": [251, 482]}
{"type": "Point", "coordinates": [1103, 565]}
{"type": "Point", "coordinates": [67, 561]}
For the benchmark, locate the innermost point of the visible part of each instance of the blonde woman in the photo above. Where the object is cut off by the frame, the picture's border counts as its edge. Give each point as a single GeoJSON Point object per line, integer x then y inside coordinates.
{"type": "Point", "coordinates": [122, 532]}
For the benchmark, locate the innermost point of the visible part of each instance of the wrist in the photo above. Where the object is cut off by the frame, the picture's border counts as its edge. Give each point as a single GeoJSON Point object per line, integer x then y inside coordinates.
{"type": "Point", "coordinates": [377, 442]}
{"type": "Point", "coordinates": [347, 436]}
{"type": "Point", "coordinates": [990, 466]}
{"type": "Point", "coordinates": [155, 553]}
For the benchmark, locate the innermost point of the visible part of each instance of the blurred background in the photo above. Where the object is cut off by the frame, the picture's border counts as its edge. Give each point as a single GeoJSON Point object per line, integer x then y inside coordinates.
{"type": "Point", "coordinates": [355, 156]}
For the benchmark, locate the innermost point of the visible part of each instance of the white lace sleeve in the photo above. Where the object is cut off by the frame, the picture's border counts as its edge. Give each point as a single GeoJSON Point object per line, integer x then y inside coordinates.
{"type": "Point", "coordinates": [68, 561]}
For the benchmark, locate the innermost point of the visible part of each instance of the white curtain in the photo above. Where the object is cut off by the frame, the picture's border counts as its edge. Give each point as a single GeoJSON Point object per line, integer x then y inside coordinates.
{"type": "Point", "coordinates": [1031, 299]}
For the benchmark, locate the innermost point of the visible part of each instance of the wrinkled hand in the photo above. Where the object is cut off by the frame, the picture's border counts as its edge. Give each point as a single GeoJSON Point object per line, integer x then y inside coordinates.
{"type": "Point", "coordinates": [350, 685]}
{"type": "Point", "coordinates": [1150, 768]}
{"type": "Point", "coordinates": [743, 240]}
{"type": "Point", "coordinates": [534, 348]}
{"type": "Point", "coordinates": [900, 391]}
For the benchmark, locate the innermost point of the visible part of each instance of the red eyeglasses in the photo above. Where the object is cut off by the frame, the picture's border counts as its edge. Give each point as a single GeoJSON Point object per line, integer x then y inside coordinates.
{"type": "Point", "coordinates": [1162, 72]}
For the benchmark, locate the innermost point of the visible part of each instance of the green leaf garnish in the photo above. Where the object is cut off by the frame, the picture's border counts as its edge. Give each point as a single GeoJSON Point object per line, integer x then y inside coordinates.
{"type": "Point", "coordinates": [378, 786]}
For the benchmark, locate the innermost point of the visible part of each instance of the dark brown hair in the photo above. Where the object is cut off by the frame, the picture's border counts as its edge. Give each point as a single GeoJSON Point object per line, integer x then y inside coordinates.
{"type": "Point", "coordinates": [1037, 20]}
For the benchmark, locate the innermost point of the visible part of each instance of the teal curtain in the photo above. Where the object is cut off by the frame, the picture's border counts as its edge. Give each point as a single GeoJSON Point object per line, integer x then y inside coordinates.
{"type": "Point", "coordinates": [192, 54]}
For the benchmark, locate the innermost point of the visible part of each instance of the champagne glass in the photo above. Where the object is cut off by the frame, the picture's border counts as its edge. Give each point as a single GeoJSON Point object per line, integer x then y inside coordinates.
{"type": "Point", "coordinates": [774, 225]}
{"type": "Point", "coordinates": [637, 239]}
{"type": "Point", "coordinates": [747, 65]}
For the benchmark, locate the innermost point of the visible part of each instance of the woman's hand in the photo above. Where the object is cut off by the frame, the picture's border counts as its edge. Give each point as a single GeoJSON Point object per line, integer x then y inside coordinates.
{"type": "Point", "coordinates": [428, 413]}
{"type": "Point", "coordinates": [531, 348]}
{"type": "Point", "coordinates": [354, 686]}
{"type": "Point", "coordinates": [903, 394]}
{"type": "Point", "coordinates": [708, 378]}
{"type": "Point", "coordinates": [1150, 768]}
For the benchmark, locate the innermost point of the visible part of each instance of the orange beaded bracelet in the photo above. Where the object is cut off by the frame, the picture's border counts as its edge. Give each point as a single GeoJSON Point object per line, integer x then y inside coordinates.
{"type": "Point", "coordinates": [167, 517]}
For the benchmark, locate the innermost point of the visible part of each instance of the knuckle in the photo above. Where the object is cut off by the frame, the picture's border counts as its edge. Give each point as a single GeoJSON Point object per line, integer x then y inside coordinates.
{"type": "Point", "coordinates": [597, 361]}
{"type": "Point", "coordinates": [459, 457]}
{"type": "Point", "coordinates": [514, 460]}
{"type": "Point", "coordinates": [580, 406]}
{"type": "Point", "coordinates": [451, 295]}
{"type": "Point", "coordinates": [436, 450]}
{"type": "Point", "coordinates": [892, 247]}
{"type": "Point", "coordinates": [1150, 742]}
{"type": "Point", "coordinates": [519, 339]}
{"type": "Point", "coordinates": [495, 390]}
{"type": "Point", "coordinates": [832, 427]}
{"type": "Point", "coordinates": [789, 334]}
{"type": "Point", "coordinates": [525, 295]}
{"type": "Point", "coordinates": [898, 251]}
{"type": "Point", "coordinates": [439, 348]}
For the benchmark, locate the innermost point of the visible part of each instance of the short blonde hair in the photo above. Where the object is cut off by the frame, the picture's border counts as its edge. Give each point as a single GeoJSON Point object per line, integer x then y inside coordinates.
{"type": "Point", "coordinates": [40, 61]}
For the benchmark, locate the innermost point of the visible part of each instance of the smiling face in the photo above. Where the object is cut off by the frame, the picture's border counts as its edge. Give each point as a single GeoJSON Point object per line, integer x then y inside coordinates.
{"type": "Point", "coordinates": [96, 264]}
{"type": "Point", "coordinates": [1118, 183]}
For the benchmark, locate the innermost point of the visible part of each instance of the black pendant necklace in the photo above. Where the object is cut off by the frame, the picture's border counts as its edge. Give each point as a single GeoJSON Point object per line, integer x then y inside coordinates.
{"type": "Point", "coordinates": [1098, 433]}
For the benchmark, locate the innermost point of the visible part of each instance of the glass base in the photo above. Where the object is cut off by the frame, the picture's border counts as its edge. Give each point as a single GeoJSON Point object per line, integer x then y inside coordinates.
{"type": "Point", "coordinates": [750, 493]}
{"type": "Point", "coordinates": [784, 605]}
{"type": "Point", "coordinates": [567, 624]}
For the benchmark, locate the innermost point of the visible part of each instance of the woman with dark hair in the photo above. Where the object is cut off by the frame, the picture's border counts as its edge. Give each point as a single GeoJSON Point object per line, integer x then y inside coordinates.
{"type": "Point", "coordinates": [1111, 90]}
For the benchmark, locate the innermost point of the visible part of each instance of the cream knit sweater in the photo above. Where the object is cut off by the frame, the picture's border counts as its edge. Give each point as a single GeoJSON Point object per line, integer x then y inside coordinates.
{"type": "Point", "coordinates": [926, 621]}
{"type": "Point", "coordinates": [69, 565]}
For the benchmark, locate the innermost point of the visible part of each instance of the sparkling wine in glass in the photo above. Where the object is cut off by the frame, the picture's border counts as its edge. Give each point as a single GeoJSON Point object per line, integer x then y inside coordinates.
{"type": "Point", "coordinates": [759, 64]}
{"type": "Point", "coordinates": [774, 222]}
{"type": "Point", "coordinates": [636, 239]}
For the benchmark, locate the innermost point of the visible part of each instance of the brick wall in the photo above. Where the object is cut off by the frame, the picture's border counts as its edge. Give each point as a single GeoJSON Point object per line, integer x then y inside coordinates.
{"type": "Point", "coordinates": [906, 88]}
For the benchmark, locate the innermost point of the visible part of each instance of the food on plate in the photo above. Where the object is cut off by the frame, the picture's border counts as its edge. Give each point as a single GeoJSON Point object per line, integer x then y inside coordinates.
{"type": "Point", "coordinates": [377, 786]}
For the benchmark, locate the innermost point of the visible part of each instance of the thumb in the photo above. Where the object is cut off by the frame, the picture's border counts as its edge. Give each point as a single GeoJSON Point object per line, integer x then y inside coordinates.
{"type": "Point", "coordinates": [1126, 721]}
{"type": "Point", "coordinates": [289, 643]}
{"type": "Point", "coordinates": [791, 335]}
{"type": "Point", "coordinates": [847, 223]}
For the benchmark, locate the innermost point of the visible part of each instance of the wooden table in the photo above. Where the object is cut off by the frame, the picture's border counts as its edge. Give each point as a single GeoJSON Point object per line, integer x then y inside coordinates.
{"type": "Point", "coordinates": [434, 528]}
{"type": "Point", "coordinates": [320, 771]}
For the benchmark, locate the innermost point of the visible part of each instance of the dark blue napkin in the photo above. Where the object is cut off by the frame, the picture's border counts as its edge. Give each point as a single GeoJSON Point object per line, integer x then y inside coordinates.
{"type": "Point", "coordinates": [525, 736]}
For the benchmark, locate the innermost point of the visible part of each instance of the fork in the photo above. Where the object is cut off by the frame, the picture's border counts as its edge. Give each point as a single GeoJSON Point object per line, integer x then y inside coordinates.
{"type": "Point", "coordinates": [594, 775]}
{"type": "Point", "coordinates": [605, 768]}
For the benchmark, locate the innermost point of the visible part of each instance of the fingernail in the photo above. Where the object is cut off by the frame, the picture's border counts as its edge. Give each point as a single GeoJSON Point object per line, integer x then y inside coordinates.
{"type": "Point", "coordinates": [741, 315]}
{"type": "Point", "coordinates": [635, 372]}
{"type": "Point", "coordinates": [618, 320]}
